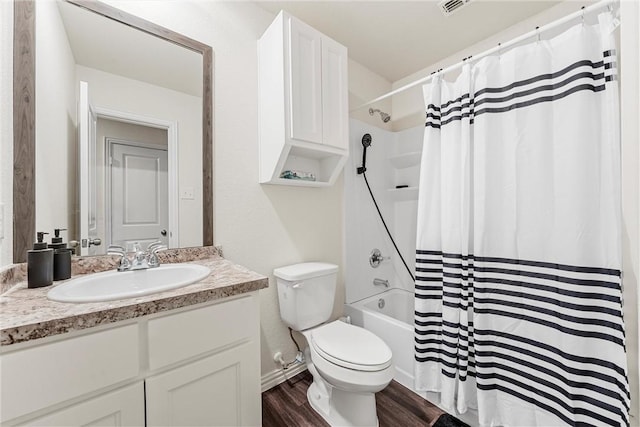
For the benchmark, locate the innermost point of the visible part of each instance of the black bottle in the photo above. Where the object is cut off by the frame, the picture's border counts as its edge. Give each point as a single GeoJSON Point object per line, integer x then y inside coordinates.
{"type": "Point", "coordinates": [39, 264]}
{"type": "Point", "coordinates": [61, 256]}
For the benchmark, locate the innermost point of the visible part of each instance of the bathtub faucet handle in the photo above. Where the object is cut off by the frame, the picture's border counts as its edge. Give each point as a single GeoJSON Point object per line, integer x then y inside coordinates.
{"type": "Point", "coordinates": [381, 282]}
{"type": "Point", "coordinates": [376, 258]}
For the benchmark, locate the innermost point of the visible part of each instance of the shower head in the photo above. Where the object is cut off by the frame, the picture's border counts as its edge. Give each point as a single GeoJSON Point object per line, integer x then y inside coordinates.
{"type": "Point", "coordinates": [384, 116]}
{"type": "Point", "coordinates": [366, 140]}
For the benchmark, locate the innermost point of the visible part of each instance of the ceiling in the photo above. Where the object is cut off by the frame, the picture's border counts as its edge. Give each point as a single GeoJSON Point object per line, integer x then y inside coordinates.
{"type": "Point", "coordinates": [397, 38]}
{"type": "Point", "coordinates": [104, 44]}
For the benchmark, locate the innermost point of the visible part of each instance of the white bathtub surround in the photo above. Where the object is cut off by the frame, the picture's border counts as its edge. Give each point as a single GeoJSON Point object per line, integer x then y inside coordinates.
{"type": "Point", "coordinates": [392, 159]}
{"type": "Point", "coordinates": [518, 294]}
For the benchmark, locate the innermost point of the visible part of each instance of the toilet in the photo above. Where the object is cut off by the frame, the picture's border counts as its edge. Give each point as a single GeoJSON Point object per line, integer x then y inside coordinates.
{"type": "Point", "coordinates": [349, 364]}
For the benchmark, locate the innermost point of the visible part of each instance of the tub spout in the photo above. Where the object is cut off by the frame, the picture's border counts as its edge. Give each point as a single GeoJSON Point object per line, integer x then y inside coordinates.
{"type": "Point", "coordinates": [381, 282]}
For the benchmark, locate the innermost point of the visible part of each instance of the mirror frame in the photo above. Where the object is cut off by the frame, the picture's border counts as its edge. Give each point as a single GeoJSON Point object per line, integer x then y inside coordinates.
{"type": "Point", "coordinates": [24, 115]}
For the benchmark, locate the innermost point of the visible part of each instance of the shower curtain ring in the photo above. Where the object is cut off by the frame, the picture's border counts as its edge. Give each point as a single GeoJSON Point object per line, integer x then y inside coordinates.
{"type": "Point", "coordinates": [499, 50]}
{"type": "Point", "coordinates": [582, 16]}
{"type": "Point", "coordinates": [538, 33]}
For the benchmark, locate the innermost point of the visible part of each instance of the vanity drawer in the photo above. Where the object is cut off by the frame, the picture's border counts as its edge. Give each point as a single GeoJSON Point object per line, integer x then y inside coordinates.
{"type": "Point", "coordinates": [38, 377]}
{"type": "Point", "coordinates": [180, 336]}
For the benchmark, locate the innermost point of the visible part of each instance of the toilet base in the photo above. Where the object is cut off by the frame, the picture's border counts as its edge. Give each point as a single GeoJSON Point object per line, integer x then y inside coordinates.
{"type": "Point", "coordinates": [339, 407]}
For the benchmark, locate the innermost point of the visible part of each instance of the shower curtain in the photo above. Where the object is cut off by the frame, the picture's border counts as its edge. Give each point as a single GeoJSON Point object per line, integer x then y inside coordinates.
{"type": "Point", "coordinates": [518, 309]}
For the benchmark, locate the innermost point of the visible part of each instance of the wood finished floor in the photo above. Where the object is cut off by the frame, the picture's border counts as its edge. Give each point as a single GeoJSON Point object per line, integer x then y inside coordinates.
{"type": "Point", "coordinates": [287, 405]}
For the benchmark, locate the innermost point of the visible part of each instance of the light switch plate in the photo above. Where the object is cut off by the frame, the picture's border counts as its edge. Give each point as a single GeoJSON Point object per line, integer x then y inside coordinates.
{"type": "Point", "coordinates": [186, 193]}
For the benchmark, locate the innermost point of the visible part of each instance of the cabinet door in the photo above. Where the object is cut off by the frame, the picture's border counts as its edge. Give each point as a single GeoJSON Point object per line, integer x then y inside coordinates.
{"type": "Point", "coordinates": [335, 94]}
{"type": "Point", "coordinates": [220, 390]}
{"type": "Point", "coordinates": [123, 407]}
{"type": "Point", "coordinates": [305, 71]}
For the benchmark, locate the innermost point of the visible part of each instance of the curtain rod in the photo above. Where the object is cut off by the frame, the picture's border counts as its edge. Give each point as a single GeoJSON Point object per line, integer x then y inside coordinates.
{"type": "Point", "coordinates": [500, 47]}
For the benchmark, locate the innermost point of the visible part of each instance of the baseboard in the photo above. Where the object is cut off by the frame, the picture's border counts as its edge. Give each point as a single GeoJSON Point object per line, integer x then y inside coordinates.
{"type": "Point", "coordinates": [277, 376]}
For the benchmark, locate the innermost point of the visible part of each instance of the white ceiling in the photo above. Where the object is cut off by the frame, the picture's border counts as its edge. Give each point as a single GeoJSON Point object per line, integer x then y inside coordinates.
{"type": "Point", "coordinates": [101, 43]}
{"type": "Point", "coordinates": [393, 38]}
{"type": "Point", "coordinates": [397, 38]}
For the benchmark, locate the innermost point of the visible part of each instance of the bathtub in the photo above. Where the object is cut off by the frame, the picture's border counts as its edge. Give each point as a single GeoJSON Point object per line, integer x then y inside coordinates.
{"type": "Point", "coordinates": [389, 315]}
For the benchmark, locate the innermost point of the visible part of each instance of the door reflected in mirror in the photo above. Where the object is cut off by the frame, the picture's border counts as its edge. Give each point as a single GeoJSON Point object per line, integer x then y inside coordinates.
{"type": "Point", "coordinates": [118, 132]}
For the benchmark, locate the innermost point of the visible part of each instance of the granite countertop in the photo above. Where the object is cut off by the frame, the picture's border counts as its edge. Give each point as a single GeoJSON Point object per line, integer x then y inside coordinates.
{"type": "Point", "coordinates": [27, 314]}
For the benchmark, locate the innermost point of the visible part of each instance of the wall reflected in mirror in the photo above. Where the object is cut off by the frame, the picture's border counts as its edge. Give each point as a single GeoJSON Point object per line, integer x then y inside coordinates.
{"type": "Point", "coordinates": [118, 132]}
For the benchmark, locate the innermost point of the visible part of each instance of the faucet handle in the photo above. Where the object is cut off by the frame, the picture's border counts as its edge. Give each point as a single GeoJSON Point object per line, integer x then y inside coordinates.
{"type": "Point", "coordinates": [153, 245]}
{"type": "Point", "coordinates": [153, 250]}
{"type": "Point", "coordinates": [125, 263]}
{"type": "Point", "coordinates": [116, 250]}
{"type": "Point", "coordinates": [159, 248]}
{"type": "Point", "coordinates": [376, 258]}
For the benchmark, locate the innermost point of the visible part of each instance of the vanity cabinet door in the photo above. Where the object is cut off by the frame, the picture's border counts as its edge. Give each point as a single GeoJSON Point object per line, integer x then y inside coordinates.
{"type": "Point", "coordinates": [122, 407]}
{"type": "Point", "coordinates": [219, 390]}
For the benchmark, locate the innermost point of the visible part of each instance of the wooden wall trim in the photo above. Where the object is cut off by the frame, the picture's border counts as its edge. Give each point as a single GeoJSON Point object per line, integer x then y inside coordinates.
{"type": "Point", "coordinates": [24, 115]}
{"type": "Point", "coordinates": [207, 147]}
{"type": "Point", "coordinates": [24, 132]}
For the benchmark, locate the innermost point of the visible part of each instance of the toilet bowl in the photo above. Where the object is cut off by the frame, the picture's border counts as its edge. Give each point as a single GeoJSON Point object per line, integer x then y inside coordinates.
{"type": "Point", "coordinates": [349, 364]}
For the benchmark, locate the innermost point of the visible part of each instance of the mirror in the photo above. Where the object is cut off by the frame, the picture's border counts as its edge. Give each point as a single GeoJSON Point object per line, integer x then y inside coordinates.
{"type": "Point", "coordinates": [121, 133]}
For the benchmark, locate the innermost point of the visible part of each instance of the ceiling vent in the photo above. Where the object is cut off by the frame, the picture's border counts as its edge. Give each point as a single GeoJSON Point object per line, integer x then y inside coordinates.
{"type": "Point", "coordinates": [450, 6]}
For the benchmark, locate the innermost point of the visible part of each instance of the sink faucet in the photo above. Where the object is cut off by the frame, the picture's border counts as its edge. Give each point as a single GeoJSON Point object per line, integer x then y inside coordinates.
{"type": "Point", "coordinates": [141, 259]}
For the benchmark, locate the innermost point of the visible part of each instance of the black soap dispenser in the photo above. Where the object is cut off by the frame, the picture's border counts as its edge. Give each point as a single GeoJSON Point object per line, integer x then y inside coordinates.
{"type": "Point", "coordinates": [61, 256]}
{"type": "Point", "coordinates": [39, 264]}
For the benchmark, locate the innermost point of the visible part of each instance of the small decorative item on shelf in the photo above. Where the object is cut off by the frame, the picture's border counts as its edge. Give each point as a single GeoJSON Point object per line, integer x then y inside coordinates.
{"type": "Point", "coordinates": [300, 175]}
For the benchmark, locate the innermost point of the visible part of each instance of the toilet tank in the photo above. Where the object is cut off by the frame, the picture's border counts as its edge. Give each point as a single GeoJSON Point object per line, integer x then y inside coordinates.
{"type": "Point", "coordinates": [305, 293]}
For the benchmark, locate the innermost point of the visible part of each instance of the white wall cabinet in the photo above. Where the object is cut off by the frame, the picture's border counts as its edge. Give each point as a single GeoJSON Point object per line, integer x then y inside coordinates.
{"type": "Point", "coordinates": [303, 103]}
{"type": "Point", "coordinates": [199, 365]}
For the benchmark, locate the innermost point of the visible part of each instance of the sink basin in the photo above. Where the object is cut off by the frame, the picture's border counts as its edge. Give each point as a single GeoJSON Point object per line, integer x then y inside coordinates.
{"type": "Point", "coordinates": [113, 285]}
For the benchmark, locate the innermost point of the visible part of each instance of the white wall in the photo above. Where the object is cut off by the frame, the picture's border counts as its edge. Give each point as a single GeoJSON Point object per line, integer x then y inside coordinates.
{"type": "Point", "coordinates": [132, 96]}
{"type": "Point", "coordinates": [6, 132]}
{"type": "Point", "coordinates": [630, 113]}
{"type": "Point", "coordinates": [55, 123]}
{"type": "Point", "coordinates": [365, 85]}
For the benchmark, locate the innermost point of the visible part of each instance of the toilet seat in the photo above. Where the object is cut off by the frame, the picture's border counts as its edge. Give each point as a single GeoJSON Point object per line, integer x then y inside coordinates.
{"type": "Point", "coordinates": [350, 347]}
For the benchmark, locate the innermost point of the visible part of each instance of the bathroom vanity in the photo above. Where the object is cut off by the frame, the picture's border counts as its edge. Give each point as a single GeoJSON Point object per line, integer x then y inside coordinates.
{"type": "Point", "coordinates": [188, 356]}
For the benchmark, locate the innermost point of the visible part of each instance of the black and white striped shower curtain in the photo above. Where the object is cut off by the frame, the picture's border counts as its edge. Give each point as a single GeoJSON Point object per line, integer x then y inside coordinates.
{"type": "Point", "coordinates": [518, 307]}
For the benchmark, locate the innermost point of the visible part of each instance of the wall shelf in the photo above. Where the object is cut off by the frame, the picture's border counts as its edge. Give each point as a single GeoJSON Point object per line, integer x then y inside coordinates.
{"type": "Point", "coordinates": [403, 194]}
{"type": "Point", "coordinates": [406, 160]}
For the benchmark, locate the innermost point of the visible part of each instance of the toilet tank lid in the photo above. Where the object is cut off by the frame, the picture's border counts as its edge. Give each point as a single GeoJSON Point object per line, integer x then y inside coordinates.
{"type": "Point", "coordinates": [305, 270]}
